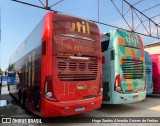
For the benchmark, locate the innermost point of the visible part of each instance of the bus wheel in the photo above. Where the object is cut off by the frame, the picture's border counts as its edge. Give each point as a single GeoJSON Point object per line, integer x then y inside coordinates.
{"type": "Point", "coordinates": [19, 97]}
{"type": "Point", "coordinates": [22, 100]}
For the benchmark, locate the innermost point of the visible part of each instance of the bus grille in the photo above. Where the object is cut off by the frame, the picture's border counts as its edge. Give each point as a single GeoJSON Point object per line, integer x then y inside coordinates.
{"type": "Point", "coordinates": [148, 71]}
{"type": "Point", "coordinates": [77, 70]}
{"type": "Point", "coordinates": [132, 69]}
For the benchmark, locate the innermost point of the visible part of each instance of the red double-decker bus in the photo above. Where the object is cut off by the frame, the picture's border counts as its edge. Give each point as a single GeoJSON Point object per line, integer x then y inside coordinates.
{"type": "Point", "coordinates": [58, 67]}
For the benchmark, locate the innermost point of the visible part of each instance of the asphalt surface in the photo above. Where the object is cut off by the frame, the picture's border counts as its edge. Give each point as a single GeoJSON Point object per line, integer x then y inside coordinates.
{"type": "Point", "coordinates": [150, 107]}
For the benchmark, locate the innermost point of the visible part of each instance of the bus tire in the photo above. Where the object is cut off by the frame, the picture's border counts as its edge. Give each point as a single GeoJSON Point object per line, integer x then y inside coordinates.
{"type": "Point", "coordinates": [22, 101]}
{"type": "Point", "coordinates": [19, 97]}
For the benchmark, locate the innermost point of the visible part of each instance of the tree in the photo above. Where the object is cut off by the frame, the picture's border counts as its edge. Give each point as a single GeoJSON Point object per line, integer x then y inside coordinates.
{"type": "Point", "coordinates": [11, 67]}
{"type": "Point", "coordinates": [0, 72]}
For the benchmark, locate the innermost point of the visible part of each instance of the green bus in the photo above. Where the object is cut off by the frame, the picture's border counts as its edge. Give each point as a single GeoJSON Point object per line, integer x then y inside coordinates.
{"type": "Point", "coordinates": [123, 67]}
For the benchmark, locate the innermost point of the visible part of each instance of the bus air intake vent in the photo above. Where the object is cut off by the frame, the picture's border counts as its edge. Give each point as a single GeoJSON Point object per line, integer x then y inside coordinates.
{"type": "Point", "coordinates": [77, 70]}
{"type": "Point", "coordinates": [132, 69]}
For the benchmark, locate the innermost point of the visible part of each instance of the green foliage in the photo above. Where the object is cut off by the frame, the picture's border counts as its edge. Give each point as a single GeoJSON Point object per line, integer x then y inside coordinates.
{"type": "Point", "coordinates": [11, 67]}
{"type": "Point", "coordinates": [0, 71]}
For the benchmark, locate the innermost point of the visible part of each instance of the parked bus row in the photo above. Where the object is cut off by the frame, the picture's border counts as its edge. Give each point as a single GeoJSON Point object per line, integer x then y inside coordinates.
{"type": "Point", "coordinates": [66, 67]}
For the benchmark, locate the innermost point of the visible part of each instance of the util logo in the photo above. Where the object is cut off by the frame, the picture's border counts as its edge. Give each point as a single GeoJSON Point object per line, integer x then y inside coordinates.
{"type": "Point", "coordinates": [132, 39]}
{"type": "Point", "coordinates": [79, 26]}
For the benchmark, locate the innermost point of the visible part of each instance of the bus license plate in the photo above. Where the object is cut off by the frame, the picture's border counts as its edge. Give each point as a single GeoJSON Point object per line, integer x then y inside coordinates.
{"type": "Point", "coordinates": [79, 108]}
{"type": "Point", "coordinates": [135, 96]}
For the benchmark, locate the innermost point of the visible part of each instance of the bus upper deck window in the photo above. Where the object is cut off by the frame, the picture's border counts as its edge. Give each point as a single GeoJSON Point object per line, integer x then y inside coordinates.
{"type": "Point", "coordinates": [105, 42]}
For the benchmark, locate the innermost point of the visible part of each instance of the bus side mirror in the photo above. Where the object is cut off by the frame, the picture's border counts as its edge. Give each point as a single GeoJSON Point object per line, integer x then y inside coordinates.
{"type": "Point", "coordinates": [112, 55]}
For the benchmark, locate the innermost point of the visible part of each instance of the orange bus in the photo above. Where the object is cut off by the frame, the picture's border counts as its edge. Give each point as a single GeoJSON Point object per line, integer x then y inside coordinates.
{"type": "Point", "coordinates": [58, 67]}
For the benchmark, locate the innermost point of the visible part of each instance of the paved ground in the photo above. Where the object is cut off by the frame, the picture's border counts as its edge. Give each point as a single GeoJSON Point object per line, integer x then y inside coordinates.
{"type": "Point", "coordinates": [150, 107]}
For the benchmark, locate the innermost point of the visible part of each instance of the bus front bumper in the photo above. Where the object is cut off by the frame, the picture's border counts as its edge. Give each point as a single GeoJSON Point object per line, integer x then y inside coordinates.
{"type": "Point", "coordinates": [53, 109]}
{"type": "Point", "coordinates": [127, 98]}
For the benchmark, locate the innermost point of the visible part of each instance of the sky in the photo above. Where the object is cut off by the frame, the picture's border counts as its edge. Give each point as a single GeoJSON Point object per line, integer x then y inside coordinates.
{"type": "Point", "coordinates": [18, 20]}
